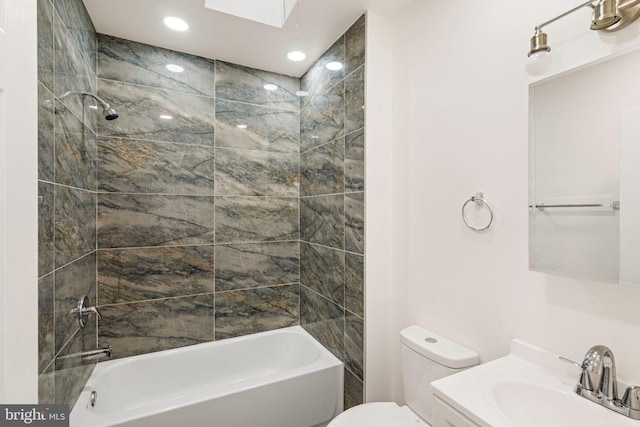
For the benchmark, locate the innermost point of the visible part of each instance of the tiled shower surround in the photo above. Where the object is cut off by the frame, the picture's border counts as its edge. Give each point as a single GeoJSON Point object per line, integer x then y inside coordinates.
{"type": "Point", "coordinates": [211, 208]}
{"type": "Point", "coordinates": [198, 235]}
{"type": "Point", "coordinates": [332, 205]}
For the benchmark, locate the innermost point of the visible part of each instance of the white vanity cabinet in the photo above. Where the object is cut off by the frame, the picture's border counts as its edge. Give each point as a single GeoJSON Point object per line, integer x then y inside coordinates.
{"type": "Point", "coordinates": [445, 415]}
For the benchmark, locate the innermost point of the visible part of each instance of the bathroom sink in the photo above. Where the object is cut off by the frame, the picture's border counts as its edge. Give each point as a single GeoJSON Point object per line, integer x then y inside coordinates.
{"type": "Point", "coordinates": [528, 388]}
{"type": "Point", "coordinates": [530, 405]}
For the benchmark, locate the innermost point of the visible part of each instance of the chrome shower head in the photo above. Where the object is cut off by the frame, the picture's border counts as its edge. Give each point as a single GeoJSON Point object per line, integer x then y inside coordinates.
{"type": "Point", "coordinates": [110, 113]}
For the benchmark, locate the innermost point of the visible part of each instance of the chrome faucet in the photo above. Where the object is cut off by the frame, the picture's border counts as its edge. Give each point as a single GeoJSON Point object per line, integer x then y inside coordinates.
{"type": "Point", "coordinates": [598, 383]}
{"type": "Point", "coordinates": [600, 366]}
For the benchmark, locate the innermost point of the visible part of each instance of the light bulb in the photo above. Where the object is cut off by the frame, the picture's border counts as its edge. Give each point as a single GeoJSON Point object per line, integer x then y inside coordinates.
{"type": "Point", "coordinates": [538, 63]}
{"type": "Point", "coordinates": [176, 24]}
{"type": "Point", "coordinates": [296, 55]}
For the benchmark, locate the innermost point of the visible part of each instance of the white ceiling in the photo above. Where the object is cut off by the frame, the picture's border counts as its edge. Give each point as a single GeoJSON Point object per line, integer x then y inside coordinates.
{"type": "Point", "coordinates": [220, 36]}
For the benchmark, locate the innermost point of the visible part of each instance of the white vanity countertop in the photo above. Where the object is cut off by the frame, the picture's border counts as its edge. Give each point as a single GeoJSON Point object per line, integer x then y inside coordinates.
{"type": "Point", "coordinates": [528, 388]}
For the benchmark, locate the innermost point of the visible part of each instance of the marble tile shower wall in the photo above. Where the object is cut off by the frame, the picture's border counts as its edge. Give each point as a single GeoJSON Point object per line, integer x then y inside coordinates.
{"type": "Point", "coordinates": [332, 206]}
{"type": "Point", "coordinates": [198, 219]}
{"type": "Point", "coordinates": [67, 156]}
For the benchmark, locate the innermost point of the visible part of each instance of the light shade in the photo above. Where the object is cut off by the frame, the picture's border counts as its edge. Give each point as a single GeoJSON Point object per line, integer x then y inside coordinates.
{"type": "Point", "coordinates": [605, 14]}
{"type": "Point", "coordinates": [538, 63]}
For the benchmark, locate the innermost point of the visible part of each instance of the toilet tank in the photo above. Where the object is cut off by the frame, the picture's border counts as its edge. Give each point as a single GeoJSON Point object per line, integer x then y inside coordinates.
{"type": "Point", "coordinates": [426, 357]}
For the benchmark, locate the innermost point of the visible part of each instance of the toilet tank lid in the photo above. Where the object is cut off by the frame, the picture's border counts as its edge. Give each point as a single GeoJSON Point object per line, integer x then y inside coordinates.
{"type": "Point", "coordinates": [438, 348]}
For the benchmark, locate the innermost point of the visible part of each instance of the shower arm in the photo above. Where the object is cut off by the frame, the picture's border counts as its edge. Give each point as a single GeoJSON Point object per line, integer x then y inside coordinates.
{"type": "Point", "coordinates": [104, 104]}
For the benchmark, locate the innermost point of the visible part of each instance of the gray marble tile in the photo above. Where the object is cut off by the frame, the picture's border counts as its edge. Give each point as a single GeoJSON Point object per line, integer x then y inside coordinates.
{"type": "Point", "coordinates": [319, 79]}
{"type": "Point", "coordinates": [71, 283]}
{"type": "Point", "coordinates": [191, 116]}
{"type": "Point", "coordinates": [354, 161]}
{"type": "Point", "coordinates": [46, 333]}
{"type": "Point", "coordinates": [354, 101]}
{"type": "Point", "coordinates": [156, 325]}
{"type": "Point", "coordinates": [46, 122]}
{"type": "Point", "coordinates": [268, 129]}
{"type": "Point", "coordinates": [74, 225]}
{"type": "Point", "coordinates": [256, 219]}
{"type": "Point", "coordinates": [354, 283]}
{"type": "Point", "coordinates": [354, 222]}
{"type": "Point", "coordinates": [323, 319]}
{"type": "Point", "coordinates": [71, 375]}
{"type": "Point", "coordinates": [256, 173]}
{"type": "Point", "coordinates": [47, 387]}
{"type": "Point", "coordinates": [256, 310]}
{"type": "Point", "coordinates": [76, 153]}
{"type": "Point", "coordinates": [72, 71]}
{"type": "Point", "coordinates": [45, 43]}
{"type": "Point", "coordinates": [322, 270]}
{"type": "Point", "coordinates": [354, 344]}
{"type": "Point", "coordinates": [322, 220]}
{"type": "Point", "coordinates": [353, 390]}
{"type": "Point", "coordinates": [238, 83]}
{"type": "Point", "coordinates": [79, 24]}
{"type": "Point", "coordinates": [322, 169]}
{"type": "Point", "coordinates": [46, 247]}
{"type": "Point", "coordinates": [126, 220]}
{"type": "Point", "coordinates": [146, 65]}
{"type": "Point", "coordinates": [355, 46]}
{"type": "Point", "coordinates": [255, 265]}
{"type": "Point", "coordinates": [131, 166]}
{"type": "Point", "coordinates": [129, 275]}
{"type": "Point", "coordinates": [322, 119]}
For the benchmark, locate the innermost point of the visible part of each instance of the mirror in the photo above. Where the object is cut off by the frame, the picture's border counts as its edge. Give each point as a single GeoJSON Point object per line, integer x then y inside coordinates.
{"type": "Point", "coordinates": [584, 172]}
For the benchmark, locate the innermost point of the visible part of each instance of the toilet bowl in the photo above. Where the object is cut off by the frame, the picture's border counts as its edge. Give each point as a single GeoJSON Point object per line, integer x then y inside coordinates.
{"type": "Point", "coordinates": [426, 357]}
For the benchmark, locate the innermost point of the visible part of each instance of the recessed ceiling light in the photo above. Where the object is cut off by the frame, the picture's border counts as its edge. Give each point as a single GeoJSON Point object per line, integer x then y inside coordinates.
{"type": "Point", "coordinates": [296, 55]}
{"type": "Point", "coordinates": [302, 93]}
{"type": "Point", "coordinates": [334, 66]}
{"type": "Point", "coordinates": [241, 126]}
{"type": "Point", "coordinates": [176, 23]}
{"type": "Point", "coordinates": [270, 86]}
{"type": "Point", "coordinates": [166, 117]}
{"type": "Point", "coordinates": [175, 68]}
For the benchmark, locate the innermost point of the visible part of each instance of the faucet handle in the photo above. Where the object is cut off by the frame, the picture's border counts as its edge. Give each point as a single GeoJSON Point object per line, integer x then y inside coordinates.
{"type": "Point", "coordinates": [584, 382]}
{"type": "Point", "coordinates": [631, 398]}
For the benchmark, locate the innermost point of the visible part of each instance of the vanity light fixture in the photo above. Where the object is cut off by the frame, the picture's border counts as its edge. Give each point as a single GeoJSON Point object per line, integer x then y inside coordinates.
{"type": "Point", "coordinates": [176, 24]}
{"type": "Point", "coordinates": [607, 15]}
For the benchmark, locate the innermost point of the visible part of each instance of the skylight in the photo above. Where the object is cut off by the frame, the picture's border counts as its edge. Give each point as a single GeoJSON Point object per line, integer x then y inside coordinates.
{"type": "Point", "coordinates": [269, 12]}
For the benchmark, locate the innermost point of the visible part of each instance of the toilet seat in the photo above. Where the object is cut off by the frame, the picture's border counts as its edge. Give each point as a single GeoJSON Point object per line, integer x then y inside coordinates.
{"type": "Point", "coordinates": [378, 414]}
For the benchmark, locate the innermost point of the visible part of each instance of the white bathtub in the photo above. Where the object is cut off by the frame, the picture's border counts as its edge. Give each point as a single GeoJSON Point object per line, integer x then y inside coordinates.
{"type": "Point", "coordinates": [281, 378]}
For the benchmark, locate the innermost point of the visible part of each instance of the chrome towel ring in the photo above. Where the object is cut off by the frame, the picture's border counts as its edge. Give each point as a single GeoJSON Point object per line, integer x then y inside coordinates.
{"type": "Point", "coordinates": [479, 200]}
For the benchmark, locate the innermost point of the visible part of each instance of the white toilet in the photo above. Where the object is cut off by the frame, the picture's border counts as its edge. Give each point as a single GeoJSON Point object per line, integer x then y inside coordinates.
{"type": "Point", "coordinates": [426, 357]}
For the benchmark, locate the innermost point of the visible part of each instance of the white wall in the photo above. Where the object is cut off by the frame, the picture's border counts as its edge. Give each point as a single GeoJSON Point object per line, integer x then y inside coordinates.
{"type": "Point", "coordinates": [378, 208]}
{"type": "Point", "coordinates": [460, 126]}
{"type": "Point", "coordinates": [18, 203]}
